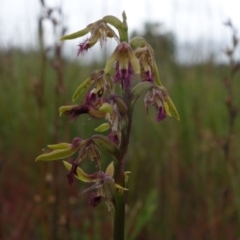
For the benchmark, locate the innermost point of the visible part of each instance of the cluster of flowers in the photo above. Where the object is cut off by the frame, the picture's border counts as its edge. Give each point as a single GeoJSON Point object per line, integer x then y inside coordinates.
{"type": "Point", "coordinates": [130, 58]}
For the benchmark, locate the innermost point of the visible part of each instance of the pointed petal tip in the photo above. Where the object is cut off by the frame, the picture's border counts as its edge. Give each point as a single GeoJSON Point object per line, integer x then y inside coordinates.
{"type": "Point", "coordinates": [178, 117]}
{"type": "Point", "coordinates": [102, 128]}
{"type": "Point", "coordinates": [39, 158]}
{"type": "Point", "coordinates": [120, 187]}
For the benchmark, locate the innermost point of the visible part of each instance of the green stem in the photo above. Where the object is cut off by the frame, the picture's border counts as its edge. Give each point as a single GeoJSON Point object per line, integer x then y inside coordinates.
{"type": "Point", "coordinates": [119, 216]}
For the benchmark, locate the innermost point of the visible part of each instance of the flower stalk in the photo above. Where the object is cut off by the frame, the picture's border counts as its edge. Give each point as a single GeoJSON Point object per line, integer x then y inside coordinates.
{"type": "Point", "coordinates": [129, 59]}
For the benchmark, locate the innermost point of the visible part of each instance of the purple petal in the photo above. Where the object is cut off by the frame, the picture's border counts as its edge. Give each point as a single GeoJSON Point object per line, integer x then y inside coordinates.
{"type": "Point", "coordinates": [75, 142]}
{"type": "Point", "coordinates": [94, 200]}
{"type": "Point", "coordinates": [124, 76]}
{"type": "Point", "coordinates": [161, 114]}
{"type": "Point", "coordinates": [72, 172]}
{"type": "Point", "coordinates": [75, 112]}
{"type": "Point", "coordinates": [83, 47]}
{"type": "Point", "coordinates": [113, 137]}
{"type": "Point", "coordinates": [149, 76]}
{"type": "Point", "coordinates": [90, 98]}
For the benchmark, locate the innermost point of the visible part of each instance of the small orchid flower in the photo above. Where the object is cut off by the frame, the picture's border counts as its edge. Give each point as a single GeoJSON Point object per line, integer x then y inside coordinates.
{"type": "Point", "coordinates": [103, 82]}
{"type": "Point", "coordinates": [115, 109]}
{"type": "Point", "coordinates": [114, 119]}
{"type": "Point", "coordinates": [86, 45]}
{"type": "Point", "coordinates": [145, 54]}
{"type": "Point", "coordinates": [103, 31]}
{"type": "Point", "coordinates": [94, 105]}
{"type": "Point", "coordinates": [100, 83]}
{"type": "Point", "coordinates": [126, 64]}
{"type": "Point", "coordinates": [99, 31]}
{"type": "Point", "coordinates": [155, 97]}
{"type": "Point", "coordinates": [103, 184]}
{"type": "Point", "coordinates": [146, 60]}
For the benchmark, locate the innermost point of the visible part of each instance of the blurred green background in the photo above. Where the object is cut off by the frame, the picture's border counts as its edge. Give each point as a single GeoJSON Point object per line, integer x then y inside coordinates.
{"type": "Point", "coordinates": [184, 184]}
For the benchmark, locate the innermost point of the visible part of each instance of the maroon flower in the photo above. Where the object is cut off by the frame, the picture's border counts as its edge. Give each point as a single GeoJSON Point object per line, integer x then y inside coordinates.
{"type": "Point", "coordinates": [126, 64]}
{"type": "Point", "coordinates": [145, 55]}
{"type": "Point", "coordinates": [155, 97]}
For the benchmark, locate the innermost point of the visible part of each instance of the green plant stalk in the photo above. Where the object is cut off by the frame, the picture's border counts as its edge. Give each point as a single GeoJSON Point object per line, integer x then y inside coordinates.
{"type": "Point", "coordinates": [119, 217]}
{"type": "Point", "coordinates": [119, 214]}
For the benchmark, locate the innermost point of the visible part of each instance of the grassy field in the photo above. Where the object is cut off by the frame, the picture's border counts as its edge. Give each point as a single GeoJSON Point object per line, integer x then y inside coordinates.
{"type": "Point", "coordinates": [182, 185]}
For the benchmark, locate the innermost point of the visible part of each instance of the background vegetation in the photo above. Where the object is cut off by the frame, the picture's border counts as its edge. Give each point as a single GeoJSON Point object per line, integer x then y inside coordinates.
{"type": "Point", "coordinates": [184, 182]}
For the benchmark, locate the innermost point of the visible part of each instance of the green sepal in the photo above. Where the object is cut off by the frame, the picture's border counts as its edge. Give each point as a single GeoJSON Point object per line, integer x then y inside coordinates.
{"type": "Point", "coordinates": [134, 61]}
{"type": "Point", "coordinates": [103, 127]}
{"type": "Point", "coordinates": [81, 175]}
{"type": "Point", "coordinates": [124, 34]}
{"type": "Point", "coordinates": [96, 113]}
{"type": "Point", "coordinates": [111, 60]}
{"type": "Point", "coordinates": [156, 74]}
{"type": "Point", "coordinates": [172, 108]}
{"type": "Point", "coordinates": [81, 88]}
{"type": "Point", "coordinates": [120, 188]}
{"type": "Point", "coordinates": [166, 107]}
{"type": "Point", "coordinates": [139, 89]}
{"type": "Point", "coordinates": [110, 169]}
{"type": "Point", "coordinates": [76, 34]}
{"type": "Point", "coordinates": [126, 177]}
{"type": "Point", "coordinates": [114, 21]}
{"type": "Point", "coordinates": [57, 154]}
{"type": "Point", "coordinates": [63, 109]}
{"type": "Point", "coordinates": [122, 107]}
{"type": "Point", "coordinates": [106, 108]}
{"type": "Point", "coordinates": [106, 144]}
{"type": "Point", "coordinates": [137, 42]}
{"type": "Point", "coordinates": [60, 146]}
